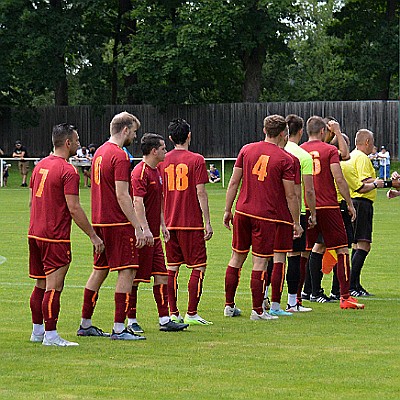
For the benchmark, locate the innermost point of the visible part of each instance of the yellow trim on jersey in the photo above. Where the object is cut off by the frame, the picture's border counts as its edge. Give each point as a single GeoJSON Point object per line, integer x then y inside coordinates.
{"type": "Point", "coordinates": [184, 228]}
{"type": "Point", "coordinates": [264, 218]}
{"type": "Point", "coordinates": [49, 240]}
{"type": "Point", "coordinates": [325, 207]}
{"type": "Point", "coordinates": [113, 224]}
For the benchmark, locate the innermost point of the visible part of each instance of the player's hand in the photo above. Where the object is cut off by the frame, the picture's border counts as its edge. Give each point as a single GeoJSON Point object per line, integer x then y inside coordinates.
{"type": "Point", "coordinates": [334, 127]}
{"type": "Point", "coordinates": [391, 194]}
{"type": "Point", "coordinates": [352, 212]}
{"type": "Point", "coordinates": [140, 238]}
{"type": "Point", "coordinates": [228, 219]}
{"type": "Point", "coordinates": [149, 237]}
{"type": "Point", "coordinates": [297, 230]}
{"type": "Point", "coordinates": [165, 233]}
{"type": "Point", "coordinates": [312, 221]}
{"type": "Point", "coordinates": [395, 175]}
{"type": "Point", "coordinates": [209, 232]}
{"type": "Point", "coordinates": [97, 244]}
{"type": "Point", "coordinates": [379, 182]}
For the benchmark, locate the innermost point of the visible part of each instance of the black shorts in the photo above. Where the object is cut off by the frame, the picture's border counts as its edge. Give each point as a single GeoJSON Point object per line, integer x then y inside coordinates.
{"type": "Point", "coordinates": [348, 225]}
{"type": "Point", "coordinates": [299, 244]}
{"type": "Point", "coordinates": [362, 226]}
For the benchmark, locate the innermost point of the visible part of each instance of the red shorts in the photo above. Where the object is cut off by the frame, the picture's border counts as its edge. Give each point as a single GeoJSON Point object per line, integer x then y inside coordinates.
{"type": "Point", "coordinates": [45, 257]}
{"type": "Point", "coordinates": [283, 242]}
{"type": "Point", "coordinates": [330, 225]}
{"type": "Point", "coordinates": [186, 247]}
{"type": "Point", "coordinates": [252, 232]}
{"type": "Point", "coordinates": [151, 262]}
{"type": "Point", "coordinates": [120, 251]}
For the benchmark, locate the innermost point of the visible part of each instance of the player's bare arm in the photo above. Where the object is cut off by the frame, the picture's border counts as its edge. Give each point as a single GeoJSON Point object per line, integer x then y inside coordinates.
{"type": "Point", "coordinates": [125, 202]}
{"type": "Point", "coordinates": [309, 194]}
{"type": "Point", "coordinates": [140, 210]}
{"type": "Point", "coordinates": [343, 188]}
{"type": "Point", "coordinates": [231, 193]}
{"type": "Point", "coordinates": [164, 229]}
{"type": "Point", "coordinates": [203, 201]}
{"type": "Point", "coordinates": [294, 209]}
{"type": "Point", "coordinates": [370, 184]}
{"type": "Point", "coordinates": [80, 218]}
{"type": "Point", "coordinates": [334, 127]}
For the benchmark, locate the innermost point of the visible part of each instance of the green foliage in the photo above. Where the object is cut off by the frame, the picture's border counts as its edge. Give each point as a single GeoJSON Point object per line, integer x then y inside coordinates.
{"type": "Point", "coordinates": [369, 46]}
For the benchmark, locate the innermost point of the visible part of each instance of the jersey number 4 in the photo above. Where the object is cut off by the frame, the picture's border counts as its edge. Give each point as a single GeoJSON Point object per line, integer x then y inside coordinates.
{"type": "Point", "coordinates": [177, 177]}
{"type": "Point", "coordinates": [260, 167]}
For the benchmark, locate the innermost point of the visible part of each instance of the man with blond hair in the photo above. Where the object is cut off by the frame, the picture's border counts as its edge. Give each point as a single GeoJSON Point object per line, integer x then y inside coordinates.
{"type": "Point", "coordinates": [115, 221]}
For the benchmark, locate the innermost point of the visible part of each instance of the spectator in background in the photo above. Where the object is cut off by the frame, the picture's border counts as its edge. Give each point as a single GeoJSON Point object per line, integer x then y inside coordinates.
{"type": "Point", "coordinates": [5, 169]}
{"type": "Point", "coordinates": [384, 163]}
{"type": "Point", "coordinates": [21, 153]}
{"type": "Point", "coordinates": [83, 156]}
{"type": "Point", "coordinates": [374, 158]}
{"type": "Point", "coordinates": [213, 174]}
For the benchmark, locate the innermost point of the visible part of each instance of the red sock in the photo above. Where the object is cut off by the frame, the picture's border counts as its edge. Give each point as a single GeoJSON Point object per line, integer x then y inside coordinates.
{"type": "Point", "coordinates": [232, 277]}
{"type": "Point", "coordinates": [303, 265]}
{"type": "Point", "coordinates": [195, 286]}
{"type": "Point", "coordinates": [173, 291]}
{"type": "Point", "coordinates": [257, 287]}
{"type": "Point", "coordinates": [343, 274]}
{"type": "Point", "coordinates": [89, 303]}
{"type": "Point", "coordinates": [132, 302]}
{"type": "Point", "coordinates": [36, 301]}
{"type": "Point", "coordinates": [160, 293]}
{"type": "Point", "coordinates": [51, 309]}
{"type": "Point", "coordinates": [121, 307]}
{"type": "Point", "coordinates": [277, 280]}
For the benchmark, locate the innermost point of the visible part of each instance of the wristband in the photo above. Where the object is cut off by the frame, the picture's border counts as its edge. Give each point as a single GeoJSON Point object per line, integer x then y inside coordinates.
{"type": "Point", "coordinates": [387, 184]}
{"type": "Point", "coordinates": [375, 184]}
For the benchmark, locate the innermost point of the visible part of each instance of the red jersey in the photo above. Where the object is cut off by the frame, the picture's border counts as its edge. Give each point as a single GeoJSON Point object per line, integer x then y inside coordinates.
{"type": "Point", "coordinates": [110, 164]}
{"type": "Point", "coordinates": [262, 194]}
{"type": "Point", "coordinates": [147, 183]}
{"type": "Point", "coordinates": [323, 155]}
{"type": "Point", "coordinates": [52, 179]}
{"type": "Point", "coordinates": [182, 171]}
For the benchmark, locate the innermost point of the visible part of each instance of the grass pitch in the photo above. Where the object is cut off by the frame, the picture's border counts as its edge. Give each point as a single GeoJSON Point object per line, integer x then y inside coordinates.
{"type": "Point", "coordinates": [328, 353]}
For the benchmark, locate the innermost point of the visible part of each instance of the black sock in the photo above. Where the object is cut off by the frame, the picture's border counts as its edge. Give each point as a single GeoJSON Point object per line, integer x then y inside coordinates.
{"type": "Point", "coordinates": [316, 272]}
{"type": "Point", "coordinates": [335, 282]}
{"type": "Point", "coordinates": [307, 283]}
{"type": "Point", "coordinates": [357, 263]}
{"type": "Point", "coordinates": [293, 274]}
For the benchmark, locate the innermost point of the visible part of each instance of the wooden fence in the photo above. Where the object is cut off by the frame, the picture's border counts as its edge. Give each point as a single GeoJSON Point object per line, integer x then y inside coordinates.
{"type": "Point", "coordinates": [218, 130]}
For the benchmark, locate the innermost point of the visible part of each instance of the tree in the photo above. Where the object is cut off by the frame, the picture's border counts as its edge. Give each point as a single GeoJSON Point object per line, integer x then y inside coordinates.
{"type": "Point", "coordinates": [369, 44]}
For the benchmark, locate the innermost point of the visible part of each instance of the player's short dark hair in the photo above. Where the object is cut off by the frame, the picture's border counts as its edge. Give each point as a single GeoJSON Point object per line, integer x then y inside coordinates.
{"type": "Point", "coordinates": [274, 125]}
{"type": "Point", "coordinates": [294, 123]}
{"type": "Point", "coordinates": [179, 130]}
{"type": "Point", "coordinates": [61, 133]}
{"type": "Point", "coordinates": [149, 142]}
{"type": "Point", "coordinates": [314, 125]}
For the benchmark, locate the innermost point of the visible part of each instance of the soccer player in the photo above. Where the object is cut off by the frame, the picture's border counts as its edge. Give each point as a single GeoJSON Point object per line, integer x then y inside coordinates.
{"type": "Point", "coordinates": [185, 206]}
{"type": "Point", "coordinates": [54, 202]}
{"type": "Point", "coordinates": [363, 198]}
{"type": "Point", "coordinates": [147, 197]}
{"type": "Point", "coordinates": [115, 221]}
{"type": "Point", "coordinates": [297, 259]}
{"type": "Point", "coordinates": [264, 221]}
{"type": "Point", "coordinates": [326, 170]}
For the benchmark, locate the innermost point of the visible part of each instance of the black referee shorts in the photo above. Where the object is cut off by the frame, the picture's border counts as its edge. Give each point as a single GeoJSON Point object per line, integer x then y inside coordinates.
{"type": "Point", "coordinates": [362, 226]}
